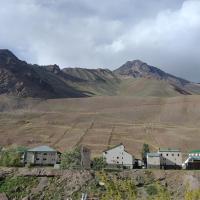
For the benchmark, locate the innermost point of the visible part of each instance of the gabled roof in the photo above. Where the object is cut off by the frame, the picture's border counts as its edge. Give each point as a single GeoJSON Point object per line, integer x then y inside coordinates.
{"type": "Point", "coordinates": [113, 147]}
{"type": "Point", "coordinates": [168, 150]}
{"type": "Point", "coordinates": [195, 151]}
{"type": "Point", "coordinates": [42, 149]}
{"type": "Point", "coordinates": [153, 154]}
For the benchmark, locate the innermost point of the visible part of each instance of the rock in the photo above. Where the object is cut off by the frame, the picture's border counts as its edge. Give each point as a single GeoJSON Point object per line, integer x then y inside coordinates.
{"type": "Point", "coordinates": [3, 196]}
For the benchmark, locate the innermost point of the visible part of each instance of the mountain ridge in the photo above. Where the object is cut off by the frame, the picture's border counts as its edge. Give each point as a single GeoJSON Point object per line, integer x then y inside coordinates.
{"type": "Point", "coordinates": [26, 80]}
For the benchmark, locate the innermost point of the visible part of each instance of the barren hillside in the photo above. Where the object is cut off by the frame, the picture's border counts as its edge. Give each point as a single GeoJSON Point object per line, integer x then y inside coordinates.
{"type": "Point", "coordinates": [100, 122]}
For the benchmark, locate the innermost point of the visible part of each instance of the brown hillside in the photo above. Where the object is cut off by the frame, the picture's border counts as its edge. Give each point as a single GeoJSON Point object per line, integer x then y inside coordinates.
{"type": "Point", "coordinates": [100, 122]}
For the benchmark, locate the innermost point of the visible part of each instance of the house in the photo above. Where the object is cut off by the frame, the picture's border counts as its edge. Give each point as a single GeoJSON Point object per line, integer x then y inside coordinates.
{"type": "Point", "coordinates": [117, 156]}
{"type": "Point", "coordinates": [42, 155]}
{"type": "Point", "coordinates": [170, 158]}
{"type": "Point", "coordinates": [193, 160]}
{"type": "Point", "coordinates": [153, 160]}
{"type": "Point", "coordinates": [85, 157]}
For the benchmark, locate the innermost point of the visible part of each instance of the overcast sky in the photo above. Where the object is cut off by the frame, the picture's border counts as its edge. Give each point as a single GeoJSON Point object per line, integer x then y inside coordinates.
{"type": "Point", "coordinates": [104, 33]}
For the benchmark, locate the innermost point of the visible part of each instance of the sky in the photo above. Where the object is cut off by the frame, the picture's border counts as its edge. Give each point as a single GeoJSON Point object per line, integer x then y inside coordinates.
{"type": "Point", "coordinates": [104, 33]}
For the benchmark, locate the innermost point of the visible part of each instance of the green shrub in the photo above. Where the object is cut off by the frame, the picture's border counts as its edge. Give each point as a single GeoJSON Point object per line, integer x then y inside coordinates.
{"type": "Point", "coordinates": [17, 187]}
{"type": "Point", "coordinates": [192, 194]}
{"type": "Point", "coordinates": [10, 158]}
{"type": "Point", "coordinates": [117, 188]}
{"type": "Point", "coordinates": [71, 159]}
{"type": "Point", "coordinates": [98, 163]}
{"type": "Point", "coordinates": [152, 190]}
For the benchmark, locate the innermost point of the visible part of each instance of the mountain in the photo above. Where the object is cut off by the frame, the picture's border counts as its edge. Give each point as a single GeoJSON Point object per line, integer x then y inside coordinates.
{"type": "Point", "coordinates": [22, 79]}
{"type": "Point", "coordinates": [134, 78]}
{"type": "Point", "coordinates": [137, 69]}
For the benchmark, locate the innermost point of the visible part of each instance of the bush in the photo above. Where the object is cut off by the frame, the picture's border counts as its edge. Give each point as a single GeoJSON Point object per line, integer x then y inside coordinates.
{"type": "Point", "coordinates": [117, 188]}
{"type": "Point", "coordinates": [98, 163]}
{"type": "Point", "coordinates": [192, 194]}
{"type": "Point", "coordinates": [10, 158]}
{"type": "Point", "coordinates": [158, 192]}
{"type": "Point", "coordinates": [152, 190]}
{"type": "Point", "coordinates": [71, 159]}
{"type": "Point", "coordinates": [17, 187]}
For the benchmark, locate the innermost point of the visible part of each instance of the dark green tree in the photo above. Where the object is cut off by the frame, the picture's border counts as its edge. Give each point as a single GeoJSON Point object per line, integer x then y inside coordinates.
{"type": "Point", "coordinates": [145, 150]}
{"type": "Point", "coordinates": [98, 163]}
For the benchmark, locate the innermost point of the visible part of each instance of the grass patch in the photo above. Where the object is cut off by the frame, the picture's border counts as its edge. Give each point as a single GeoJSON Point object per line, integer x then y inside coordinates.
{"type": "Point", "coordinates": [18, 187]}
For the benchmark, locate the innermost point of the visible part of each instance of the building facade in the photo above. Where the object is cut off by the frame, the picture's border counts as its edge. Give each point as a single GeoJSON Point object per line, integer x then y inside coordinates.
{"type": "Point", "coordinates": [153, 160]}
{"type": "Point", "coordinates": [42, 155]}
{"type": "Point", "coordinates": [117, 156]}
{"type": "Point", "coordinates": [193, 160]}
{"type": "Point", "coordinates": [170, 158]}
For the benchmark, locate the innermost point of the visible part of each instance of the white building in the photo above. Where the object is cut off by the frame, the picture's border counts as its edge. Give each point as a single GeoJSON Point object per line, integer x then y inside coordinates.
{"type": "Point", "coordinates": [153, 160]}
{"type": "Point", "coordinates": [42, 155]}
{"type": "Point", "coordinates": [170, 158]}
{"type": "Point", "coordinates": [117, 156]}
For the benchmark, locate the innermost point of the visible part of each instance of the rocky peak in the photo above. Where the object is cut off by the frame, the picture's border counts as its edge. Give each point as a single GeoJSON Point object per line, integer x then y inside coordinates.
{"type": "Point", "coordinates": [53, 68]}
{"type": "Point", "coordinates": [7, 57]}
{"type": "Point", "coordinates": [137, 68]}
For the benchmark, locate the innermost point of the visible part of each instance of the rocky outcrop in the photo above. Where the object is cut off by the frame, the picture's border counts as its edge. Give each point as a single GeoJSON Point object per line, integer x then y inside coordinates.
{"type": "Point", "coordinates": [3, 196]}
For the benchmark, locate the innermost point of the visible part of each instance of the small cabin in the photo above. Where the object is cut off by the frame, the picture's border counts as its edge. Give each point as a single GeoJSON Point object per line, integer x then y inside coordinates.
{"type": "Point", "coordinates": [170, 158]}
{"type": "Point", "coordinates": [42, 155]}
{"type": "Point", "coordinates": [118, 156]}
{"type": "Point", "coordinates": [153, 160]}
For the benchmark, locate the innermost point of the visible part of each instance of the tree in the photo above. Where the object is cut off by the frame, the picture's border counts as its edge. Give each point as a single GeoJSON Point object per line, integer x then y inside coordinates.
{"type": "Point", "coordinates": [10, 158]}
{"type": "Point", "coordinates": [145, 150]}
{"type": "Point", "coordinates": [71, 159]}
{"type": "Point", "coordinates": [98, 163]}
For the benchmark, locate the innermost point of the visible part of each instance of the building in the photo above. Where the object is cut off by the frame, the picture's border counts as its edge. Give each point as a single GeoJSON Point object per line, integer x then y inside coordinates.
{"type": "Point", "coordinates": [193, 160]}
{"type": "Point", "coordinates": [85, 157]}
{"type": "Point", "coordinates": [170, 158]}
{"type": "Point", "coordinates": [117, 156]}
{"type": "Point", "coordinates": [153, 160]}
{"type": "Point", "coordinates": [42, 155]}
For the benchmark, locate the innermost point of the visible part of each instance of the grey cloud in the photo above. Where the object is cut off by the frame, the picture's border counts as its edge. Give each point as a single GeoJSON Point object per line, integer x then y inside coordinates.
{"type": "Point", "coordinates": [106, 33]}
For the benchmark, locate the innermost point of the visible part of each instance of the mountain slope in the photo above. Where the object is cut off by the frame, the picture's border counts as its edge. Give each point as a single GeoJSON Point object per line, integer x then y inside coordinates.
{"type": "Point", "coordinates": [26, 80]}
{"type": "Point", "coordinates": [138, 69]}
{"type": "Point", "coordinates": [134, 78]}
{"type": "Point", "coordinates": [96, 81]}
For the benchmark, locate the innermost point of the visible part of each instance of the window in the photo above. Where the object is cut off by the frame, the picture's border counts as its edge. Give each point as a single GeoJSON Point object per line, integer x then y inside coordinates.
{"type": "Point", "coordinates": [44, 154]}
{"type": "Point", "coordinates": [167, 154]}
{"type": "Point", "coordinates": [117, 157]}
{"type": "Point", "coordinates": [117, 162]}
{"type": "Point", "coordinates": [37, 159]}
{"type": "Point", "coordinates": [172, 154]}
{"type": "Point", "coordinates": [44, 159]}
{"type": "Point", "coordinates": [106, 152]}
{"type": "Point", "coordinates": [161, 154]}
{"type": "Point", "coordinates": [178, 154]}
{"type": "Point", "coordinates": [122, 157]}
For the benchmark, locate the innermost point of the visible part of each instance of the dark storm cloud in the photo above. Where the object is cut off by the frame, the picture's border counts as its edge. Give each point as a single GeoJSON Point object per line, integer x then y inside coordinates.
{"type": "Point", "coordinates": [106, 33]}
